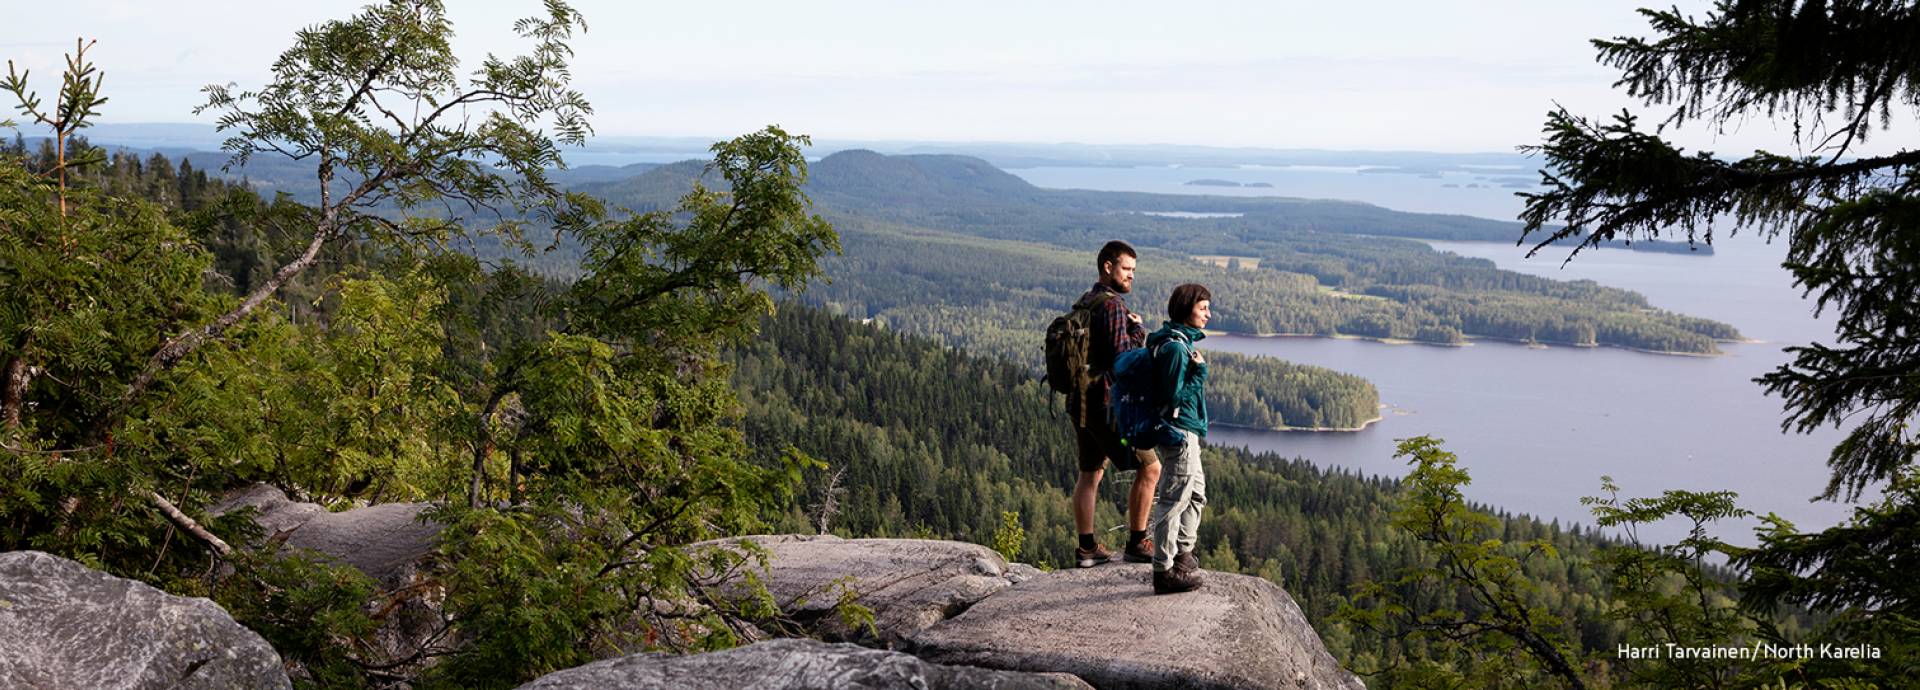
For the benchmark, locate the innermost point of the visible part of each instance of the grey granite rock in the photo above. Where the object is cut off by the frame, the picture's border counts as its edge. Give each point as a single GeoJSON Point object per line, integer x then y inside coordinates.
{"type": "Point", "coordinates": [384, 541]}
{"type": "Point", "coordinates": [271, 509]}
{"type": "Point", "coordinates": [908, 583]}
{"type": "Point", "coordinates": [1106, 626]}
{"type": "Point", "coordinates": [792, 664]}
{"type": "Point", "coordinates": [63, 625]}
{"type": "Point", "coordinates": [389, 542]}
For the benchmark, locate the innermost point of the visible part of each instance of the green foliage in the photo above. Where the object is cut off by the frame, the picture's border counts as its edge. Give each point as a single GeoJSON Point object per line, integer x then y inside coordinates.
{"type": "Point", "coordinates": [79, 96]}
{"type": "Point", "coordinates": [1010, 538]}
{"type": "Point", "coordinates": [1483, 640]}
{"type": "Point", "coordinates": [1663, 593]}
{"type": "Point", "coordinates": [315, 615]}
{"type": "Point", "coordinates": [1861, 571]}
{"type": "Point", "coordinates": [91, 285]}
{"type": "Point", "coordinates": [379, 103]}
{"type": "Point", "coordinates": [691, 270]}
{"type": "Point", "coordinates": [615, 429]}
{"type": "Point", "coordinates": [577, 439]}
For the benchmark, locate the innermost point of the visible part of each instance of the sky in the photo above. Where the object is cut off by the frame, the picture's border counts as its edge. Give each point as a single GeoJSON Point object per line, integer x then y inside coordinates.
{"type": "Point", "coordinates": [1413, 75]}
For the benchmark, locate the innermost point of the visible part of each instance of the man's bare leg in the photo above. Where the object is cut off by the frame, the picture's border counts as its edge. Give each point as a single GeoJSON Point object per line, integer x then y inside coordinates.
{"type": "Point", "coordinates": [1140, 499]}
{"type": "Point", "coordinates": [1084, 495]}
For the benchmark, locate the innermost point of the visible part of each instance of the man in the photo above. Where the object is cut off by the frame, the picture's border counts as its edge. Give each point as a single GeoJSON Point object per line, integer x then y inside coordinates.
{"type": "Point", "coordinates": [1114, 330]}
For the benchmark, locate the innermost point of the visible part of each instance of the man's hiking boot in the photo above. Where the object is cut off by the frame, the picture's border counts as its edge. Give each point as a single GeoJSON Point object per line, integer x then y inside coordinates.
{"type": "Point", "coordinates": [1175, 581]}
{"type": "Point", "coordinates": [1088, 558]}
{"type": "Point", "coordinates": [1185, 560]}
{"type": "Point", "coordinates": [1139, 552]}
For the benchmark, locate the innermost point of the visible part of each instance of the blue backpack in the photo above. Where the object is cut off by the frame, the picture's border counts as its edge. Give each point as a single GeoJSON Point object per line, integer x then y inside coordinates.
{"type": "Point", "coordinates": [1134, 406]}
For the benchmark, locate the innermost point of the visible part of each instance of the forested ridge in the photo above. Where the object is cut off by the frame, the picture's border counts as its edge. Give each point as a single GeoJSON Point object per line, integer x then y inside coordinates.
{"type": "Point", "coordinates": [951, 247]}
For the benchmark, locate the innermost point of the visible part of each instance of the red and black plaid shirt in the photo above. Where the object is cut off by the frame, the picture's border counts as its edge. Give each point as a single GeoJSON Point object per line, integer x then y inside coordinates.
{"type": "Point", "coordinates": [1113, 333]}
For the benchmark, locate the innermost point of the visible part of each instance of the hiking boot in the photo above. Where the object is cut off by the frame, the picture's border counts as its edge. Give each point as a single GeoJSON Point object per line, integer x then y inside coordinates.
{"type": "Point", "coordinates": [1175, 581]}
{"type": "Point", "coordinates": [1086, 558]}
{"type": "Point", "coordinates": [1139, 552]}
{"type": "Point", "coordinates": [1186, 561]}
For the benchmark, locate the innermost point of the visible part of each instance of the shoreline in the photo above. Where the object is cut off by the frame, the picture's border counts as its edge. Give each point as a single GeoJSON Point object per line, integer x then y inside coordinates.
{"type": "Point", "coordinates": [1471, 338]}
{"type": "Point", "coordinates": [1321, 429]}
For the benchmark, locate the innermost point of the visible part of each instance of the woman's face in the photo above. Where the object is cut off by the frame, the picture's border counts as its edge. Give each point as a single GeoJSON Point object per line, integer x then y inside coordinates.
{"type": "Point", "coordinates": [1202, 311]}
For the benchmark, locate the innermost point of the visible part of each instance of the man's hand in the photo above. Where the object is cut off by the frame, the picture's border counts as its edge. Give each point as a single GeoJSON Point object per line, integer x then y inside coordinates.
{"type": "Point", "coordinates": [1134, 318]}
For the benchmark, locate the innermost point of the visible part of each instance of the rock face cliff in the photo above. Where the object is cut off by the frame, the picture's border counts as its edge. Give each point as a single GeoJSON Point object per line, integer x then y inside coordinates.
{"type": "Point", "coordinates": [64, 625]}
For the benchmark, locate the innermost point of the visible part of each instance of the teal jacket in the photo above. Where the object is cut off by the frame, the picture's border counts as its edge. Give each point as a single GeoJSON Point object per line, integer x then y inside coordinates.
{"type": "Point", "coordinates": [1182, 381]}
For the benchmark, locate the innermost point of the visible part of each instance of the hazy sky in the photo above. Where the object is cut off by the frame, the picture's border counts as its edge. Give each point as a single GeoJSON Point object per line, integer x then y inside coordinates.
{"type": "Point", "coordinates": [1461, 76]}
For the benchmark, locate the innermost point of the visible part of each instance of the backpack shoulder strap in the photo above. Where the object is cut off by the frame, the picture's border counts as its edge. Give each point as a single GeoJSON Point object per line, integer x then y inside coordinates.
{"type": "Point", "coordinates": [1095, 303]}
{"type": "Point", "coordinates": [1176, 335]}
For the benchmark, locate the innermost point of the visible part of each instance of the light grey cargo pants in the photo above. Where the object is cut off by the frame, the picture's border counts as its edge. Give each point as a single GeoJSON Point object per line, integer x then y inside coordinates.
{"type": "Point", "coordinates": [1183, 494]}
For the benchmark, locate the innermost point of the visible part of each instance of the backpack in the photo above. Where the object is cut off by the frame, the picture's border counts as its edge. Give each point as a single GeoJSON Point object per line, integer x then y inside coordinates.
{"type": "Point", "coordinates": [1069, 347]}
{"type": "Point", "coordinates": [1136, 407]}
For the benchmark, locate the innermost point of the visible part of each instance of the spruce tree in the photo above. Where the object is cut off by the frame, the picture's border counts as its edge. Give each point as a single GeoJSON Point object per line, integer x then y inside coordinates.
{"type": "Point", "coordinates": [1838, 73]}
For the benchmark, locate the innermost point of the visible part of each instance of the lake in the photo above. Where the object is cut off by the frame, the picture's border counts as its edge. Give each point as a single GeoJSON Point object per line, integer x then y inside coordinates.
{"type": "Point", "coordinates": [1538, 427]}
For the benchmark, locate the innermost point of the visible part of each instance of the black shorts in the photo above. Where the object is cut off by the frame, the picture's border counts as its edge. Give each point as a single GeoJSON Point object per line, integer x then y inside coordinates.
{"type": "Point", "coordinates": [1099, 442]}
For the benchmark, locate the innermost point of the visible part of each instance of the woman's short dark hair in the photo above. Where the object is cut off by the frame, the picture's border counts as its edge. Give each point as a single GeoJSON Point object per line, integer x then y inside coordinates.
{"type": "Point", "coordinates": [1180, 305]}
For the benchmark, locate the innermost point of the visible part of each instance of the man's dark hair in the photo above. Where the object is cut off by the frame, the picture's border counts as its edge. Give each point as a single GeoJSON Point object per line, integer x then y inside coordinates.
{"type": "Point", "coordinates": [1180, 305]}
{"type": "Point", "coordinates": [1112, 252]}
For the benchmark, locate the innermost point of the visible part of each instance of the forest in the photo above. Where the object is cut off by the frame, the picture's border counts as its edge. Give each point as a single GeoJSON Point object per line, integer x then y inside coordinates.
{"type": "Point", "coordinates": [953, 248]}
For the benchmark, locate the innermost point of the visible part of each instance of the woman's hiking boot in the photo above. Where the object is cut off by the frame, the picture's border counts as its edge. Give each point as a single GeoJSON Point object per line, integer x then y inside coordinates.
{"type": "Point", "coordinates": [1176, 580]}
{"type": "Point", "coordinates": [1186, 560]}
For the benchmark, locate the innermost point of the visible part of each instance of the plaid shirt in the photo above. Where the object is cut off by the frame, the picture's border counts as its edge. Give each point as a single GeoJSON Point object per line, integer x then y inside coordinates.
{"type": "Point", "coordinates": [1114, 333]}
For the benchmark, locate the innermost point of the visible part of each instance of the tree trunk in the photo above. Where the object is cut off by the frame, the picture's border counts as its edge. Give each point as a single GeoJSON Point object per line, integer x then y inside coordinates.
{"type": "Point", "coordinates": [14, 394]}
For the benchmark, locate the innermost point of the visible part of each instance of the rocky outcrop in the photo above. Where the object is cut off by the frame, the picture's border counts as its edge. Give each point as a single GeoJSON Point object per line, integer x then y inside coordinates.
{"type": "Point", "coordinates": [909, 584]}
{"type": "Point", "coordinates": [386, 541]}
{"type": "Point", "coordinates": [962, 604]}
{"type": "Point", "coordinates": [63, 625]}
{"type": "Point", "coordinates": [791, 665]}
{"type": "Point", "coordinates": [958, 609]}
{"type": "Point", "coordinates": [389, 542]}
{"type": "Point", "coordinates": [1107, 626]}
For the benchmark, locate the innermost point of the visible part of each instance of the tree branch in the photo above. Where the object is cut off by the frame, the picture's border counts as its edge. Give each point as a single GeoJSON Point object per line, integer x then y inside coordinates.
{"type": "Point", "coordinates": [181, 520]}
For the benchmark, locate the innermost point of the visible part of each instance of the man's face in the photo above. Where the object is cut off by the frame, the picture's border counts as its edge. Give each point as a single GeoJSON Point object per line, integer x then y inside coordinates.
{"type": "Point", "coordinates": [1118, 274]}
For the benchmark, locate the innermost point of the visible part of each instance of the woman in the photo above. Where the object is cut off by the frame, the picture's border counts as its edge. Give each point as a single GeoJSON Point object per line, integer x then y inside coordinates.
{"type": "Point", "coordinates": [1181, 392]}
